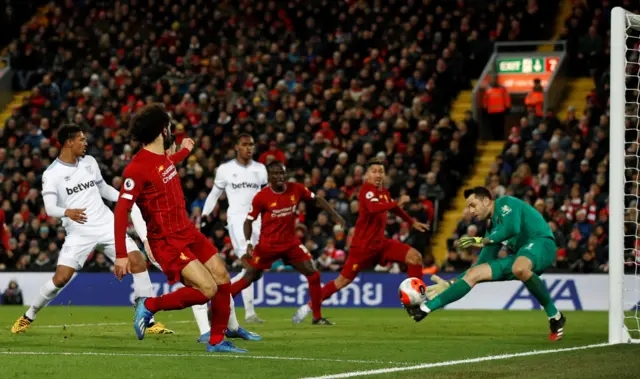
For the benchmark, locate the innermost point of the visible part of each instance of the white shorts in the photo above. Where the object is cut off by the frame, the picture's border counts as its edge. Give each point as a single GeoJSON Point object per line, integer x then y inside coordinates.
{"type": "Point", "coordinates": [75, 251]}
{"type": "Point", "coordinates": [236, 232]}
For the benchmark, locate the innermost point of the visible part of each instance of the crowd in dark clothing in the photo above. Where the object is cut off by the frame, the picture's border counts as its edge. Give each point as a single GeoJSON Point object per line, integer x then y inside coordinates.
{"type": "Point", "coordinates": [322, 85]}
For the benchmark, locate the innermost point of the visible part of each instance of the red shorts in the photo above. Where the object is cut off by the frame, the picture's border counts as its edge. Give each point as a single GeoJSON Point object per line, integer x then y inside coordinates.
{"type": "Point", "coordinates": [263, 257]}
{"type": "Point", "coordinates": [388, 251]}
{"type": "Point", "coordinates": [174, 253]}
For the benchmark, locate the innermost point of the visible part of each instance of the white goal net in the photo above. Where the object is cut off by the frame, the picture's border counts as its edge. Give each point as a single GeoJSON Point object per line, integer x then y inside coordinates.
{"type": "Point", "coordinates": [624, 180]}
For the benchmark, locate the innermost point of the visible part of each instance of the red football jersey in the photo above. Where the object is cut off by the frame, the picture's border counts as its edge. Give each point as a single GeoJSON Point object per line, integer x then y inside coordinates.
{"type": "Point", "coordinates": [375, 203]}
{"type": "Point", "coordinates": [278, 210]}
{"type": "Point", "coordinates": [152, 182]}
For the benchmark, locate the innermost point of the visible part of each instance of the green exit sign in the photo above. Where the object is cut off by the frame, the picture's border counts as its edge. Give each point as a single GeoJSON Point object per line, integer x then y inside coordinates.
{"type": "Point", "coordinates": [521, 66]}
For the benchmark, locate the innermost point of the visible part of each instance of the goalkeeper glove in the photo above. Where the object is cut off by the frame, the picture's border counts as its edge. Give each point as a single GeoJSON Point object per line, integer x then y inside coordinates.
{"type": "Point", "coordinates": [465, 242]}
{"type": "Point", "coordinates": [438, 288]}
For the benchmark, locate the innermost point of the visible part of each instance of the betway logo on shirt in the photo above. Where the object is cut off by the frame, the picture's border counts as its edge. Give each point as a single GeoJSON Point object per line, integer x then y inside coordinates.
{"type": "Point", "coordinates": [244, 185]}
{"type": "Point", "coordinates": [81, 187]}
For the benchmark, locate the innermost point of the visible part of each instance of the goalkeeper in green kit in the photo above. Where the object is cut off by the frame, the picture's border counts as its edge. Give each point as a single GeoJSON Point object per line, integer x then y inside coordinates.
{"type": "Point", "coordinates": [523, 230]}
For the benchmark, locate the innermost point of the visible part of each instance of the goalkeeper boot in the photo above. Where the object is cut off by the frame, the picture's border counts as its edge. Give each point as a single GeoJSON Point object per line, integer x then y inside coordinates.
{"type": "Point", "coordinates": [321, 321]}
{"type": "Point", "coordinates": [301, 314]}
{"type": "Point", "coordinates": [556, 327]}
{"type": "Point", "coordinates": [418, 312]}
{"type": "Point", "coordinates": [141, 318]}
{"type": "Point", "coordinates": [242, 333]}
{"type": "Point", "coordinates": [158, 328]}
{"type": "Point", "coordinates": [21, 325]}
{"type": "Point", "coordinates": [224, 347]}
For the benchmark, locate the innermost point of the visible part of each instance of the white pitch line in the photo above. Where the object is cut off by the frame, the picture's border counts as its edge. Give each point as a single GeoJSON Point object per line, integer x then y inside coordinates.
{"type": "Point", "coordinates": [453, 363]}
{"type": "Point", "coordinates": [158, 355]}
{"type": "Point", "coordinates": [101, 324]}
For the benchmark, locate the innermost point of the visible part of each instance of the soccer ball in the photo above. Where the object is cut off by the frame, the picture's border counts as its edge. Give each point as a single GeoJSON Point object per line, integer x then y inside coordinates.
{"type": "Point", "coordinates": [412, 292]}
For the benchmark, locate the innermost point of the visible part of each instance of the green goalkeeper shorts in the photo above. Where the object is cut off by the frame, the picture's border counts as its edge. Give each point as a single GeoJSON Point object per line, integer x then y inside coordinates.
{"type": "Point", "coordinates": [541, 252]}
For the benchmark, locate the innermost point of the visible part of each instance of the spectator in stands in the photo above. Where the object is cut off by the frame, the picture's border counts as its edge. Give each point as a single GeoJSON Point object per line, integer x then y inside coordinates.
{"type": "Point", "coordinates": [12, 295]}
{"type": "Point", "coordinates": [496, 102]}
{"type": "Point", "coordinates": [535, 99]}
{"type": "Point", "coordinates": [324, 96]}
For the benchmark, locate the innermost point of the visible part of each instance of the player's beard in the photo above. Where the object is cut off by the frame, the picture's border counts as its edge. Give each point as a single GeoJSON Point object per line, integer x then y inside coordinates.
{"type": "Point", "coordinates": [168, 139]}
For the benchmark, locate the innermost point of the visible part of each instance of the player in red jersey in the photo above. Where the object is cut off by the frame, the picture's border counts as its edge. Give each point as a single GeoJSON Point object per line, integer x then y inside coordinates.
{"type": "Point", "coordinates": [184, 254]}
{"type": "Point", "coordinates": [369, 246]}
{"type": "Point", "coordinates": [277, 204]}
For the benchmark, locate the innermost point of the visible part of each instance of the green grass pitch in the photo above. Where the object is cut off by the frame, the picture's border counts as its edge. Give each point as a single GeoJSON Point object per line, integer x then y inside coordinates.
{"type": "Point", "coordinates": [99, 342]}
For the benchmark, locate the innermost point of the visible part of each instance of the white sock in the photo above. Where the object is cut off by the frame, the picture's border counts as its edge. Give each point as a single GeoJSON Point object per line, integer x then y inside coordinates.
{"type": "Point", "coordinates": [233, 319]}
{"type": "Point", "coordinates": [247, 298]}
{"type": "Point", "coordinates": [48, 292]}
{"type": "Point", "coordinates": [557, 316]}
{"type": "Point", "coordinates": [200, 312]}
{"type": "Point", "coordinates": [142, 286]}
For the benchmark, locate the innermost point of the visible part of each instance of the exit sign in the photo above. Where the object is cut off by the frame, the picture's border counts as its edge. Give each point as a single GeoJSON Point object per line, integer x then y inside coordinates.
{"type": "Point", "coordinates": [527, 65]}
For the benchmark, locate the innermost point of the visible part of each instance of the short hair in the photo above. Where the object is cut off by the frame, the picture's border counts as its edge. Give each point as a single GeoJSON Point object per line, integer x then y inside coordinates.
{"type": "Point", "coordinates": [241, 136]}
{"type": "Point", "coordinates": [375, 161]}
{"type": "Point", "coordinates": [149, 123]}
{"type": "Point", "coordinates": [68, 132]}
{"type": "Point", "coordinates": [275, 163]}
{"type": "Point", "coordinates": [480, 192]}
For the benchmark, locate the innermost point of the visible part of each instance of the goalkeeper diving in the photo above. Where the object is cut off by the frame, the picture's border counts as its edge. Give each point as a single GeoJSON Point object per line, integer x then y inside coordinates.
{"type": "Point", "coordinates": [522, 229]}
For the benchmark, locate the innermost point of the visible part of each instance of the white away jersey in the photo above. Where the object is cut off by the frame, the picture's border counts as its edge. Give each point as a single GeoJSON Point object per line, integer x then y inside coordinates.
{"type": "Point", "coordinates": [241, 183]}
{"type": "Point", "coordinates": [76, 186]}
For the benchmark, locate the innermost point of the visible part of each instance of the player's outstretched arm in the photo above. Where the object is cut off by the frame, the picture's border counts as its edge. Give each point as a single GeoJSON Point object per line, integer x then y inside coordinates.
{"type": "Point", "coordinates": [185, 149]}
{"type": "Point", "coordinates": [138, 223]}
{"type": "Point", "coordinates": [212, 200]}
{"type": "Point", "coordinates": [247, 228]}
{"type": "Point", "coordinates": [324, 205]}
{"type": "Point", "coordinates": [254, 212]}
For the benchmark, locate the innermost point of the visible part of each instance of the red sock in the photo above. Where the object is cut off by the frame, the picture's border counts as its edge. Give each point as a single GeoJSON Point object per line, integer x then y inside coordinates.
{"type": "Point", "coordinates": [315, 292]}
{"type": "Point", "coordinates": [414, 271]}
{"type": "Point", "coordinates": [179, 299]}
{"type": "Point", "coordinates": [328, 290]}
{"type": "Point", "coordinates": [220, 310]}
{"type": "Point", "coordinates": [239, 286]}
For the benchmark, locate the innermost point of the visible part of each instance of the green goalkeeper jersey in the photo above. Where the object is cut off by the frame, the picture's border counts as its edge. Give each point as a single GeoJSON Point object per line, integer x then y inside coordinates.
{"type": "Point", "coordinates": [515, 222]}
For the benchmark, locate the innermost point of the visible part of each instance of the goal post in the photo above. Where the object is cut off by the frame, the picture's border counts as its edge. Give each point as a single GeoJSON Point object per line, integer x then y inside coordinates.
{"type": "Point", "coordinates": [624, 295]}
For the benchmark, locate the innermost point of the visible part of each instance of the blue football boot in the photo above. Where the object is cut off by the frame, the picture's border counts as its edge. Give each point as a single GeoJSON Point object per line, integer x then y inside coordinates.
{"type": "Point", "coordinates": [141, 318]}
{"type": "Point", "coordinates": [224, 347]}
{"type": "Point", "coordinates": [204, 338]}
{"type": "Point", "coordinates": [242, 333]}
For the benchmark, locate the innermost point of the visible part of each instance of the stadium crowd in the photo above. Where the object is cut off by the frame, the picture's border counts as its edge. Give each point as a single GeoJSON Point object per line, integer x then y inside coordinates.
{"type": "Point", "coordinates": [322, 95]}
{"type": "Point", "coordinates": [561, 167]}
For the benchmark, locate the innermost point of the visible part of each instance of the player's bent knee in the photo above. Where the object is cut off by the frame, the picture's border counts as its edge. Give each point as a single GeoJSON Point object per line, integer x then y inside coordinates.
{"type": "Point", "coordinates": [209, 289]}
{"type": "Point", "coordinates": [251, 275]}
{"type": "Point", "coordinates": [521, 272]}
{"type": "Point", "coordinates": [413, 257]}
{"type": "Point", "coordinates": [137, 263]}
{"type": "Point", "coordinates": [218, 270]}
{"type": "Point", "coordinates": [62, 276]}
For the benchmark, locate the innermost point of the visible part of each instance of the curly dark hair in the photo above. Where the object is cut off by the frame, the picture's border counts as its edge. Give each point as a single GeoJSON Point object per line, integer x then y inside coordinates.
{"type": "Point", "coordinates": [68, 132]}
{"type": "Point", "coordinates": [149, 123]}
